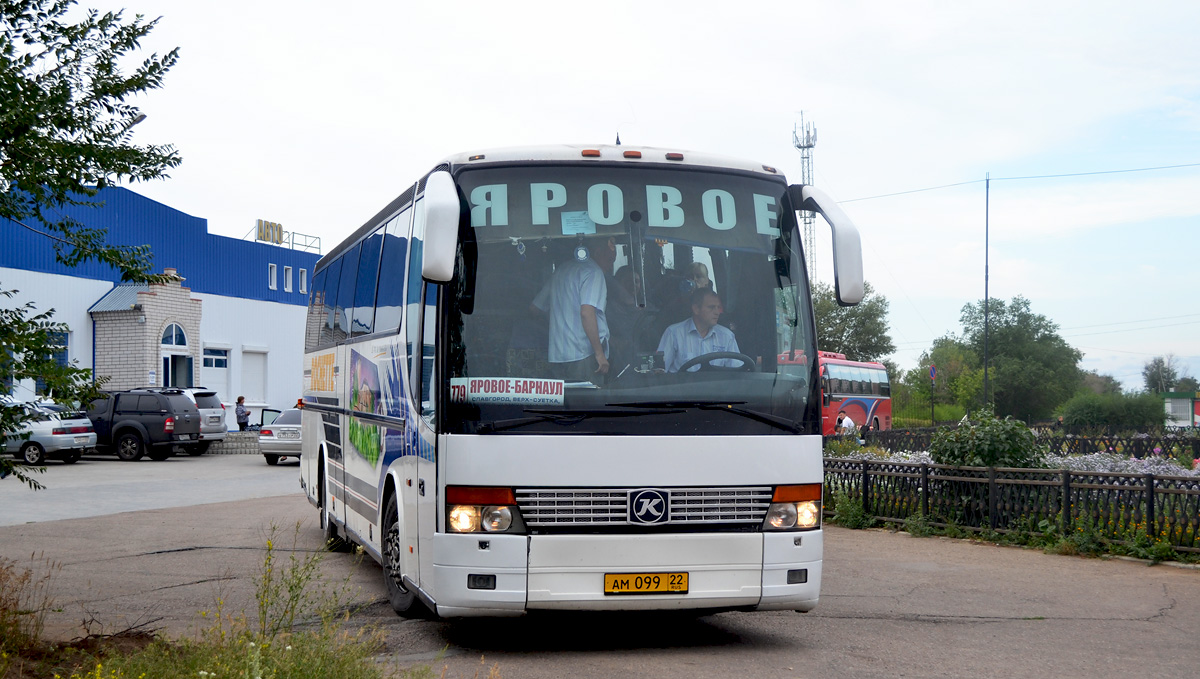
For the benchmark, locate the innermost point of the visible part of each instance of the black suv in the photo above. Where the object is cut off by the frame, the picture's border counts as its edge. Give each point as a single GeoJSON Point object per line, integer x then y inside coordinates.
{"type": "Point", "coordinates": [138, 422]}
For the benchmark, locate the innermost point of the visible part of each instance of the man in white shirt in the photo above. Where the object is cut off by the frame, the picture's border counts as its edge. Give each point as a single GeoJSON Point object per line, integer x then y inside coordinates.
{"type": "Point", "coordinates": [575, 299]}
{"type": "Point", "coordinates": [699, 335]}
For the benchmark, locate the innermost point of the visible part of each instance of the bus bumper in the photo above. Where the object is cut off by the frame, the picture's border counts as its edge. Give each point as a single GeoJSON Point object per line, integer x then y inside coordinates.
{"type": "Point", "coordinates": [566, 572]}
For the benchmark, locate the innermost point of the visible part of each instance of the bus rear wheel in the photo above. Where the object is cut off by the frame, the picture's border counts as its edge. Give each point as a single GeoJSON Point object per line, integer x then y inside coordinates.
{"type": "Point", "coordinates": [403, 601]}
{"type": "Point", "coordinates": [333, 541]}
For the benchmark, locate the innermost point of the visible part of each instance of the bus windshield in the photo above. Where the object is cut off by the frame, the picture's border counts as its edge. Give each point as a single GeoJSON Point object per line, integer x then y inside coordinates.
{"type": "Point", "coordinates": [690, 281]}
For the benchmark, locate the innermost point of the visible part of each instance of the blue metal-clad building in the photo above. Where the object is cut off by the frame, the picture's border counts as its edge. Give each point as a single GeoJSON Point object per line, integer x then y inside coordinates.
{"type": "Point", "coordinates": [233, 320]}
{"type": "Point", "coordinates": [212, 264]}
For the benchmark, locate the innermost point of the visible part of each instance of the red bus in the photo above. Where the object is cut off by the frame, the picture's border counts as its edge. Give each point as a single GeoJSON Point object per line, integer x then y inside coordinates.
{"type": "Point", "coordinates": [858, 389]}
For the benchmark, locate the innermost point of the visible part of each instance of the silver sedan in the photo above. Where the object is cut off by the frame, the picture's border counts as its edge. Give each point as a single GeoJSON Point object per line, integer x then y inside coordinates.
{"type": "Point", "coordinates": [53, 433]}
{"type": "Point", "coordinates": [280, 439]}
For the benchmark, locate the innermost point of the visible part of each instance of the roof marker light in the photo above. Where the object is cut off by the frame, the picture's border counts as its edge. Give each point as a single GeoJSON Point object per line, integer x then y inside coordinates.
{"type": "Point", "coordinates": [768, 168]}
{"type": "Point", "coordinates": [674, 156]}
{"type": "Point", "coordinates": [633, 154]}
{"type": "Point", "coordinates": [591, 153]}
{"type": "Point", "coordinates": [478, 157]}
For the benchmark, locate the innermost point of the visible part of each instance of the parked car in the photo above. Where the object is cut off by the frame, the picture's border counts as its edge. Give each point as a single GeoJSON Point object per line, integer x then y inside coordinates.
{"type": "Point", "coordinates": [279, 435]}
{"type": "Point", "coordinates": [212, 418]}
{"type": "Point", "coordinates": [138, 422]}
{"type": "Point", "coordinates": [60, 434]}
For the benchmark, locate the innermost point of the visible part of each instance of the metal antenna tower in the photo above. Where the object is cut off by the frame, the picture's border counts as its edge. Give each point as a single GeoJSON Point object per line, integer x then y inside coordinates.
{"type": "Point", "coordinates": [804, 138]}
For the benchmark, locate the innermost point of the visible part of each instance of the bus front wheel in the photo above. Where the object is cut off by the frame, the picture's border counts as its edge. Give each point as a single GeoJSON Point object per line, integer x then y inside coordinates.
{"type": "Point", "coordinates": [402, 600]}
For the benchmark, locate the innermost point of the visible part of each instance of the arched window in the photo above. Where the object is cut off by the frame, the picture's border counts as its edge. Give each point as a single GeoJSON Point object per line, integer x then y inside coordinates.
{"type": "Point", "coordinates": [173, 336]}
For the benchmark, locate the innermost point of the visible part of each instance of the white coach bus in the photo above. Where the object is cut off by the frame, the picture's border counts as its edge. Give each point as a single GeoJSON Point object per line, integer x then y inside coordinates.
{"type": "Point", "coordinates": [553, 378]}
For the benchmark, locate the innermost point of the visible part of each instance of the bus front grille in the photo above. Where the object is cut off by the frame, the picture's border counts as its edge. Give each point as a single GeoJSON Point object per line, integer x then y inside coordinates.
{"type": "Point", "coordinates": [561, 507]}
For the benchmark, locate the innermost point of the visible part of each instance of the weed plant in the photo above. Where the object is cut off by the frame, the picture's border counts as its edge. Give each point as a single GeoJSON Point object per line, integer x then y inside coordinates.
{"type": "Point", "coordinates": [25, 599]}
{"type": "Point", "coordinates": [849, 512]}
{"type": "Point", "coordinates": [300, 632]}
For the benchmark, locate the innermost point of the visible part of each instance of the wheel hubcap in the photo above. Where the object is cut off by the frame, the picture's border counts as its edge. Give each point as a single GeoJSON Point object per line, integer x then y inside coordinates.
{"type": "Point", "coordinates": [391, 553]}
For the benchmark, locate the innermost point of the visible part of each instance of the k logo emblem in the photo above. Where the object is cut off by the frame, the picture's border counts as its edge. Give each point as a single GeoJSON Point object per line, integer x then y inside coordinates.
{"type": "Point", "coordinates": [648, 506]}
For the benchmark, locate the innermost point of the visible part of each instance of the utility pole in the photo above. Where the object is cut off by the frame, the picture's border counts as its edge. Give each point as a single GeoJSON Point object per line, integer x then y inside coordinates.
{"type": "Point", "coordinates": [804, 138]}
{"type": "Point", "coordinates": [987, 213]}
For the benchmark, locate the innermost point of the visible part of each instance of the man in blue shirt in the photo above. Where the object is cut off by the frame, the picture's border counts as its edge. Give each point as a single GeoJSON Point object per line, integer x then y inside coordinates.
{"type": "Point", "coordinates": [699, 334]}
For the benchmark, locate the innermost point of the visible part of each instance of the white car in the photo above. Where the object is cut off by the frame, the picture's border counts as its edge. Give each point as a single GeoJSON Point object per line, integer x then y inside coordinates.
{"type": "Point", "coordinates": [279, 438]}
{"type": "Point", "coordinates": [60, 434]}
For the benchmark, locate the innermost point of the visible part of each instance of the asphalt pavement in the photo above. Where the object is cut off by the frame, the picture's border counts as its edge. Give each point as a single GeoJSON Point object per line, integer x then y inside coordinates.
{"type": "Point", "coordinates": [891, 604]}
{"type": "Point", "coordinates": [99, 485]}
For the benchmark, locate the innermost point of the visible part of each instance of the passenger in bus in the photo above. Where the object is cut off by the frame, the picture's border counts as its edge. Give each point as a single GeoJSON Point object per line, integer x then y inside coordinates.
{"type": "Point", "coordinates": [700, 275]}
{"type": "Point", "coordinates": [699, 334]}
{"type": "Point", "coordinates": [575, 298]}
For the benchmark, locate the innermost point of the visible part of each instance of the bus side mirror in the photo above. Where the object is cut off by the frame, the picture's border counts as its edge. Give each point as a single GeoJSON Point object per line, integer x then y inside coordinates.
{"type": "Point", "coordinates": [824, 390]}
{"type": "Point", "coordinates": [847, 246]}
{"type": "Point", "coordinates": [442, 211]}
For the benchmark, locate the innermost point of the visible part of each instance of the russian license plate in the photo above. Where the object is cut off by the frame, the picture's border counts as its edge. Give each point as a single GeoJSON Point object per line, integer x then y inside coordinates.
{"type": "Point", "coordinates": [81, 439]}
{"type": "Point", "coordinates": [215, 419]}
{"type": "Point", "coordinates": [289, 434]}
{"type": "Point", "coordinates": [645, 583]}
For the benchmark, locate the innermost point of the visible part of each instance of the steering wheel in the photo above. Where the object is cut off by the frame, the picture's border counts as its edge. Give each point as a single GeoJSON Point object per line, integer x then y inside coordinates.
{"type": "Point", "coordinates": [705, 361]}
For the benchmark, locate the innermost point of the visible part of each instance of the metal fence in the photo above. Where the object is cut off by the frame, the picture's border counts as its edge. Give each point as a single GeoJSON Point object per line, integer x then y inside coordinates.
{"type": "Point", "coordinates": [1116, 506]}
{"type": "Point", "coordinates": [1136, 445]}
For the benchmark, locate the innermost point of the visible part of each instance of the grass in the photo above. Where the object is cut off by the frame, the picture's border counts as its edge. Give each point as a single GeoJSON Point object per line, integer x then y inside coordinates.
{"type": "Point", "coordinates": [300, 630]}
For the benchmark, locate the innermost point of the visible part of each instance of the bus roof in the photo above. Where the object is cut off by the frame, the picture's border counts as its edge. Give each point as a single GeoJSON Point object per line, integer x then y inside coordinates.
{"type": "Point", "coordinates": [606, 152]}
{"type": "Point", "coordinates": [633, 155]}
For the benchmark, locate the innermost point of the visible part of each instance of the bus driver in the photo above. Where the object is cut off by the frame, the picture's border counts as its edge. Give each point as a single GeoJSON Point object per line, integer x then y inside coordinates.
{"type": "Point", "coordinates": [699, 334]}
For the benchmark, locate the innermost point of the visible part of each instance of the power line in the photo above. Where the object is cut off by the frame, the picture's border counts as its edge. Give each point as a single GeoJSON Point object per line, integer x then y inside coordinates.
{"type": "Point", "coordinates": [1085, 174]}
{"type": "Point", "coordinates": [1152, 327]}
{"type": "Point", "coordinates": [1144, 320]}
{"type": "Point", "coordinates": [1036, 176]}
{"type": "Point", "coordinates": [901, 193]}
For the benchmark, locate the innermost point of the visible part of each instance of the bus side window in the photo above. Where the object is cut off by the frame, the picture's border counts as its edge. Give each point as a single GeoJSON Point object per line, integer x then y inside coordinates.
{"type": "Point", "coordinates": [345, 300]}
{"type": "Point", "coordinates": [389, 299]}
{"type": "Point", "coordinates": [329, 303]}
{"type": "Point", "coordinates": [363, 317]}
{"type": "Point", "coordinates": [428, 341]}
{"type": "Point", "coordinates": [413, 306]}
{"type": "Point", "coordinates": [316, 312]}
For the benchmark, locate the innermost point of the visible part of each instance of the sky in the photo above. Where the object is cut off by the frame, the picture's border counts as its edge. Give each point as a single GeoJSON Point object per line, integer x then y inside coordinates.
{"type": "Point", "coordinates": [316, 115]}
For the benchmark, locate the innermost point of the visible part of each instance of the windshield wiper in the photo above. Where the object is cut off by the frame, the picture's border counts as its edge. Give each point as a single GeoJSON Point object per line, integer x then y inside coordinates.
{"type": "Point", "coordinates": [724, 406]}
{"type": "Point", "coordinates": [567, 417]}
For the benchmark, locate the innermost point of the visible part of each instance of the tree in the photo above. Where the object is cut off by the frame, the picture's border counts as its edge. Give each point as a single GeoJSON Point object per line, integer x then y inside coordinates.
{"type": "Point", "coordinates": [64, 135]}
{"type": "Point", "coordinates": [1096, 383]}
{"type": "Point", "coordinates": [1161, 373]}
{"type": "Point", "coordinates": [860, 332]}
{"type": "Point", "coordinates": [1186, 384]}
{"type": "Point", "coordinates": [1032, 369]}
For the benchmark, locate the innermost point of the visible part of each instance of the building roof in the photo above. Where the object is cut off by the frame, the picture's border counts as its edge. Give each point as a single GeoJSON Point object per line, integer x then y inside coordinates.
{"type": "Point", "coordinates": [121, 298]}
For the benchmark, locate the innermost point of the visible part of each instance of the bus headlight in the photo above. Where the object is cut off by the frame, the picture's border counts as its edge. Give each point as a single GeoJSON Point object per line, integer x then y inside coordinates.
{"type": "Point", "coordinates": [808, 514]}
{"type": "Point", "coordinates": [781, 515]}
{"type": "Point", "coordinates": [464, 518]}
{"type": "Point", "coordinates": [496, 519]}
{"type": "Point", "coordinates": [794, 508]}
{"type": "Point", "coordinates": [473, 509]}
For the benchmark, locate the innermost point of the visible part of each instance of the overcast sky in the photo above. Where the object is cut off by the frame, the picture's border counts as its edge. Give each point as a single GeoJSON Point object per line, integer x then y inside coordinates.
{"type": "Point", "coordinates": [315, 115]}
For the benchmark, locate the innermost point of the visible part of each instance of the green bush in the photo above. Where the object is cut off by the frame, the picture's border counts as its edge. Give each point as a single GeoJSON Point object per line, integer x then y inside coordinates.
{"type": "Point", "coordinates": [849, 512]}
{"type": "Point", "coordinates": [987, 441]}
{"type": "Point", "coordinates": [1121, 411]}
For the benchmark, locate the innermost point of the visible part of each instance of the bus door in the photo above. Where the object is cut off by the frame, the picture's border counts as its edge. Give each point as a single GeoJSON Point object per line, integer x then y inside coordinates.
{"type": "Point", "coordinates": [418, 489]}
